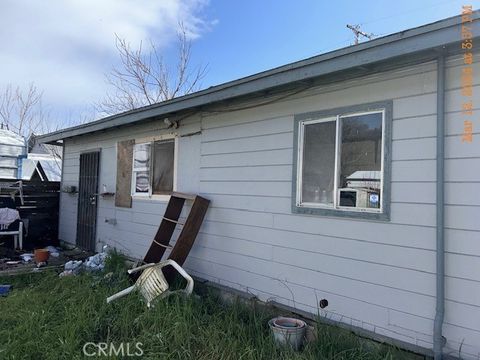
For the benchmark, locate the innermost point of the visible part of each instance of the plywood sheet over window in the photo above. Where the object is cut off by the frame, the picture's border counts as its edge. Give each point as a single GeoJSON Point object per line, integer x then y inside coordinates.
{"type": "Point", "coordinates": [123, 197]}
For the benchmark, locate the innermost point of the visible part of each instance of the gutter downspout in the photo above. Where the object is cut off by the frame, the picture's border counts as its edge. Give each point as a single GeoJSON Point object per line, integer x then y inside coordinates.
{"type": "Point", "coordinates": [438, 339]}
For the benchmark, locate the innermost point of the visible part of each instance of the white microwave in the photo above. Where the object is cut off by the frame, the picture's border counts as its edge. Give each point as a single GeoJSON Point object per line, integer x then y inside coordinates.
{"type": "Point", "coordinates": [359, 198]}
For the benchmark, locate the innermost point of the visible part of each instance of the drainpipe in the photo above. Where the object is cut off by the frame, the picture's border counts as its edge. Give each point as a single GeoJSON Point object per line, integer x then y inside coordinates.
{"type": "Point", "coordinates": [438, 340]}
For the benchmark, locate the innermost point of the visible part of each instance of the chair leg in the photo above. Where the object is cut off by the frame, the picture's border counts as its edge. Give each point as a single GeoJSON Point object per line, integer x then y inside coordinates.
{"type": "Point", "coordinates": [15, 242]}
{"type": "Point", "coordinates": [20, 234]}
{"type": "Point", "coordinates": [143, 267]}
{"type": "Point", "coordinates": [120, 294]}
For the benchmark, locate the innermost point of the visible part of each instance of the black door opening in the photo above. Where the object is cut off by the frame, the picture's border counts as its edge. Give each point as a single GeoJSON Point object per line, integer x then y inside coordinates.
{"type": "Point", "coordinates": [87, 200]}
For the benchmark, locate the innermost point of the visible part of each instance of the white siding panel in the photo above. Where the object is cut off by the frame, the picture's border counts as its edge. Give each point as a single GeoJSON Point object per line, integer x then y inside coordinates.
{"type": "Point", "coordinates": [458, 340]}
{"type": "Point", "coordinates": [256, 143]}
{"type": "Point", "coordinates": [462, 194]}
{"type": "Point", "coordinates": [248, 173]}
{"type": "Point", "coordinates": [413, 214]}
{"type": "Point", "coordinates": [394, 277]}
{"type": "Point", "coordinates": [462, 315]}
{"type": "Point", "coordinates": [454, 72]}
{"type": "Point", "coordinates": [240, 216]}
{"type": "Point", "coordinates": [272, 157]}
{"type": "Point", "coordinates": [463, 266]}
{"type": "Point", "coordinates": [395, 254]}
{"type": "Point", "coordinates": [412, 192]}
{"type": "Point", "coordinates": [419, 236]}
{"type": "Point", "coordinates": [418, 170]}
{"type": "Point", "coordinates": [423, 326]}
{"type": "Point", "coordinates": [290, 274]}
{"type": "Point", "coordinates": [466, 291]}
{"type": "Point", "coordinates": [462, 170]}
{"type": "Point", "coordinates": [424, 126]}
{"type": "Point", "coordinates": [415, 149]}
{"type": "Point", "coordinates": [454, 121]}
{"type": "Point", "coordinates": [263, 127]}
{"type": "Point", "coordinates": [272, 204]}
{"type": "Point", "coordinates": [455, 148]}
{"type": "Point", "coordinates": [188, 177]}
{"type": "Point", "coordinates": [415, 106]}
{"type": "Point", "coordinates": [454, 98]}
{"type": "Point", "coordinates": [235, 246]}
{"type": "Point", "coordinates": [462, 217]}
{"type": "Point", "coordinates": [263, 188]}
{"type": "Point", "coordinates": [462, 242]}
{"type": "Point", "coordinates": [341, 308]}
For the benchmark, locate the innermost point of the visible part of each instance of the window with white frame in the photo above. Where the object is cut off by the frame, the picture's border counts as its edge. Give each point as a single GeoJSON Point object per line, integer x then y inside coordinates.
{"type": "Point", "coordinates": [154, 168]}
{"type": "Point", "coordinates": [340, 161]}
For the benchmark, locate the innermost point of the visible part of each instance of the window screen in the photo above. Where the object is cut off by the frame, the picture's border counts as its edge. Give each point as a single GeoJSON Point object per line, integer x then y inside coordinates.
{"type": "Point", "coordinates": [319, 162]}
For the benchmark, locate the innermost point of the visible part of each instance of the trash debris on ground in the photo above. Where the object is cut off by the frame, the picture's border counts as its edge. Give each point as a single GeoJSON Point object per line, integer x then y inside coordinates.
{"type": "Point", "coordinates": [152, 283]}
{"type": "Point", "coordinates": [93, 263]}
{"type": "Point", "coordinates": [13, 262]}
{"type": "Point", "coordinates": [72, 267]}
{"type": "Point", "coordinates": [72, 260]}
{"type": "Point", "coordinates": [96, 262]}
{"type": "Point", "coordinates": [27, 257]}
{"type": "Point", "coordinates": [53, 251]}
{"type": "Point", "coordinates": [5, 289]}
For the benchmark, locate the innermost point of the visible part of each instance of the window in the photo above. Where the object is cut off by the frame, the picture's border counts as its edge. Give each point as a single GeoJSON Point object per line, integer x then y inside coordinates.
{"type": "Point", "coordinates": [341, 161]}
{"type": "Point", "coordinates": [153, 168]}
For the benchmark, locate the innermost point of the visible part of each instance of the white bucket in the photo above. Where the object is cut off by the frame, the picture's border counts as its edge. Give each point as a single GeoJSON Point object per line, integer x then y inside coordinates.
{"type": "Point", "coordinates": [288, 331]}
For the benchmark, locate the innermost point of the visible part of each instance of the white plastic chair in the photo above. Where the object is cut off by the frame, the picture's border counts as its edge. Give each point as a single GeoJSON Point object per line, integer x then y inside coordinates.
{"type": "Point", "coordinates": [17, 236]}
{"type": "Point", "coordinates": [152, 283]}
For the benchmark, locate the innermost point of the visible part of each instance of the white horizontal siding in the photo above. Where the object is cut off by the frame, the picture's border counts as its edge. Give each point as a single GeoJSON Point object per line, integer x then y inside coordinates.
{"type": "Point", "coordinates": [384, 265]}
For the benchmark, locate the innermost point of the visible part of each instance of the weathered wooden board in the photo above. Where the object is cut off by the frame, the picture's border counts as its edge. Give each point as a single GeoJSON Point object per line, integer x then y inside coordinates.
{"type": "Point", "coordinates": [123, 197]}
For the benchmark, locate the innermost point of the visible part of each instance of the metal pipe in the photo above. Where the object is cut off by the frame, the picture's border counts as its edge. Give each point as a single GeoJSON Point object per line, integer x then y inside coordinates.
{"type": "Point", "coordinates": [438, 341]}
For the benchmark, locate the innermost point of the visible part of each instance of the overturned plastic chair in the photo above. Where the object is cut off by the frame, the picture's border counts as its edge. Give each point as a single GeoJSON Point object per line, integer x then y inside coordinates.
{"type": "Point", "coordinates": [152, 283]}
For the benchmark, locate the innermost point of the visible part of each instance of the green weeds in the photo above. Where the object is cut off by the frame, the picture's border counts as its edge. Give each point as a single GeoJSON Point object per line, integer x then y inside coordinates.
{"type": "Point", "coordinates": [47, 317]}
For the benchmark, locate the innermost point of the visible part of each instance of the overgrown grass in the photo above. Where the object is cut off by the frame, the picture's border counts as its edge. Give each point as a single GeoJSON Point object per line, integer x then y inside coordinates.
{"type": "Point", "coordinates": [47, 317]}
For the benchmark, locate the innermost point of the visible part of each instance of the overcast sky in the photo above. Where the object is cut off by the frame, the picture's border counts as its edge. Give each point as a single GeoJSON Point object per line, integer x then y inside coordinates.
{"type": "Point", "coordinates": [66, 46]}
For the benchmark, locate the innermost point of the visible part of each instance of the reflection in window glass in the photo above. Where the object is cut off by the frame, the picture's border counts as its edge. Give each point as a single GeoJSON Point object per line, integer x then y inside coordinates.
{"type": "Point", "coordinates": [361, 161]}
{"type": "Point", "coordinates": [318, 162]}
{"type": "Point", "coordinates": [163, 167]}
{"type": "Point", "coordinates": [141, 156]}
{"type": "Point", "coordinates": [142, 181]}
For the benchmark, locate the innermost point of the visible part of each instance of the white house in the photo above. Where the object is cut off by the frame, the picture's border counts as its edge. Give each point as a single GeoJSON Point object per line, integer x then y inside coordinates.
{"type": "Point", "coordinates": [352, 176]}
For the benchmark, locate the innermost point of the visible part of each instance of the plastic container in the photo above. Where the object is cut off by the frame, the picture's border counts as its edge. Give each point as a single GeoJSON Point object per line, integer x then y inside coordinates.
{"type": "Point", "coordinates": [288, 331]}
{"type": "Point", "coordinates": [41, 255]}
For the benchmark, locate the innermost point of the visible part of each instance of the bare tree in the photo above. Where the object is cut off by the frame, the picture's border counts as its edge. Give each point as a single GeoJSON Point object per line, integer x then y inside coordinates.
{"type": "Point", "coordinates": [144, 78]}
{"type": "Point", "coordinates": [21, 111]}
